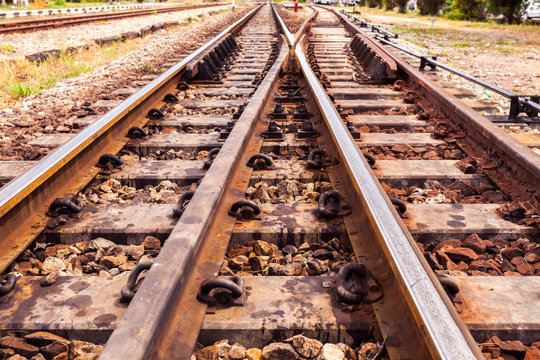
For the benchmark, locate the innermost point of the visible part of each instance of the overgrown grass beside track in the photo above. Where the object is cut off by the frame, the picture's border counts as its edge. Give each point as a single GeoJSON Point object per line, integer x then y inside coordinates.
{"type": "Point", "coordinates": [21, 78]}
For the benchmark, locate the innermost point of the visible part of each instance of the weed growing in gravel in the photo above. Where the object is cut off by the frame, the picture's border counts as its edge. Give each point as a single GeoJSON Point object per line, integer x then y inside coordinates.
{"type": "Point", "coordinates": [19, 90]}
{"type": "Point", "coordinates": [505, 42]}
{"type": "Point", "coordinates": [507, 51]}
{"type": "Point", "coordinates": [145, 68]}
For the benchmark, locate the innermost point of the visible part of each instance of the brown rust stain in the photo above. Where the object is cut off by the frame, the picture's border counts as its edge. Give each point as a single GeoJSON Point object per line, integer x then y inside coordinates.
{"type": "Point", "coordinates": [79, 286]}
{"type": "Point", "coordinates": [104, 320]}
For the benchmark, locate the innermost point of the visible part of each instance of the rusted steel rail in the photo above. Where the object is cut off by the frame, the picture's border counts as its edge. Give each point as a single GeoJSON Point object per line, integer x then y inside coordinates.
{"type": "Point", "coordinates": [437, 328]}
{"type": "Point", "coordinates": [520, 166]}
{"type": "Point", "coordinates": [24, 201]}
{"type": "Point", "coordinates": [52, 23]}
{"type": "Point", "coordinates": [195, 247]}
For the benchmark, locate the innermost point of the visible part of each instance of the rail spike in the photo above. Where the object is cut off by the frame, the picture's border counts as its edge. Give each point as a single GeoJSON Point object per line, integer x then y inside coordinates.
{"type": "Point", "coordinates": [224, 291]}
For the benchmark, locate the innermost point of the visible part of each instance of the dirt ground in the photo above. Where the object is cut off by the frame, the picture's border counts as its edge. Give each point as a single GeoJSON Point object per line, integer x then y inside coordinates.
{"type": "Point", "coordinates": [507, 56]}
{"type": "Point", "coordinates": [293, 20]}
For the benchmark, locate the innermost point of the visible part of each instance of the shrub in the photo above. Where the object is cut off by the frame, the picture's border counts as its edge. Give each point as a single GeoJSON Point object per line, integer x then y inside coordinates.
{"type": "Point", "coordinates": [402, 5]}
{"type": "Point", "coordinates": [430, 7]}
{"type": "Point", "coordinates": [374, 3]}
{"type": "Point", "coordinates": [467, 10]}
{"type": "Point", "coordinates": [389, 4]}
{"type": "Point", "coordinates": [59, 2]}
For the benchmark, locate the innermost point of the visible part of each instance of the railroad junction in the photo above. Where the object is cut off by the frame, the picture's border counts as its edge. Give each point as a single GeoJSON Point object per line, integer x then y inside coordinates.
{"type": "Point", "coordinates": [296, 187]}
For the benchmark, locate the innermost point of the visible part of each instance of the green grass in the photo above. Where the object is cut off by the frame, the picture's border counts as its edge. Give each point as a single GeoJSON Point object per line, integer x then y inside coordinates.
{"type": "Point", "coordinates": [20, 78]}
{"type": "Point", "coordinates": [147, 68]}
{"type": "Point", "coordinates": [506, 42]}
{"type": "Point", "coordinates": [461, 44]}
{"type": "Point", "coordinates": [508, 51]}
{"type": "Point", "coordinates": [79, 69]}
{"type": "Point", "coordinates": [411, 30]}
{"type": "Point", "coordinates": [110, 51]}
{"type": "Point", "coordinates": [18, 90]}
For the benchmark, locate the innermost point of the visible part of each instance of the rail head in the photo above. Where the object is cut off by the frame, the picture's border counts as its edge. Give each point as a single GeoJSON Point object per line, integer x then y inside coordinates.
{"type": "Point", "coordinates": [448, 336]}
{"type": "Point", "coordinates": [155, 309]}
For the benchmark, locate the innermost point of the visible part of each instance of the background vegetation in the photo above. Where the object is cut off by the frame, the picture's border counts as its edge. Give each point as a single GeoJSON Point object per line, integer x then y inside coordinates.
{"type": "Point", "coordinates": [476, 10]}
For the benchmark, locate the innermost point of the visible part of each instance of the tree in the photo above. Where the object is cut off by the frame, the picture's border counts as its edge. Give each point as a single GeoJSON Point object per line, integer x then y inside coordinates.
{"type": "Point", "coordinates": [374, 3]}
{"type": "Point", "coordinates": [511, 9]}
{"type": "Point", "coordinates": [467, 10]}
{"type": "Point", "coordinates": [389, 4]}
{"type": "Point", "coordinates": [402, 5]}
{"type": "Point", "coordinates": [430, 7]}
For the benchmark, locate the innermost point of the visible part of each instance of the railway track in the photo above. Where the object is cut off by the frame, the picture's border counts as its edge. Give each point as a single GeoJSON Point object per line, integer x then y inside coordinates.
{"type": "Point", "coordinates": [332, 191]}
{"type": "Point", "coordinates": [519, 118]}
{"type": "Point", "coordinates": [56, 22]}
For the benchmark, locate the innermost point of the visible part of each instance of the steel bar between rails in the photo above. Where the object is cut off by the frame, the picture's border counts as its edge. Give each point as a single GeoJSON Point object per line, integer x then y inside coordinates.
{"type": "Point", "coordinates": [445, 333]}
{"type": "Point", "coordinates": [519, 159]}
{"type": "Point", "coordinates": [484, 84]}
{"type": "Point", "coordinates": [372, 26]}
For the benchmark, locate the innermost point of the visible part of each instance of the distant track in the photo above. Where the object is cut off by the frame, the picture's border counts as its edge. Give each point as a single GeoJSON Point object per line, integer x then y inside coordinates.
{"type": "Point", "coordinates": [44, 24]}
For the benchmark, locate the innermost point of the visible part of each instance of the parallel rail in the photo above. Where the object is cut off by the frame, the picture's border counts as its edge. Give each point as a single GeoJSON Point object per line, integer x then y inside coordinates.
{"type": "Point", "coordinates": [24, 200]}
{"type": "Point", "coordinates": [437, 327]}
{"type": "Point", "coordinates": [521, 163]}
{"type": "Point", "coordinates": [52, 23]}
